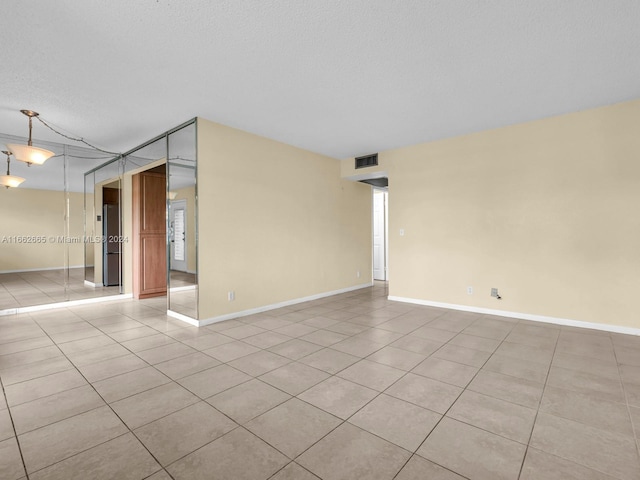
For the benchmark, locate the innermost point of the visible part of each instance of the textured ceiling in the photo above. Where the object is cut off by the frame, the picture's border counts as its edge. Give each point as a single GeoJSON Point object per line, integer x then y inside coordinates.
{"type": "Point", "coordinates": [343, 78]}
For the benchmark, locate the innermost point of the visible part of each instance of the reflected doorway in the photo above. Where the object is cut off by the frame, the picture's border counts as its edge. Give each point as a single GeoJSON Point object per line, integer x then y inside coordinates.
{"type": "Point", "coordinates": [177, 235]}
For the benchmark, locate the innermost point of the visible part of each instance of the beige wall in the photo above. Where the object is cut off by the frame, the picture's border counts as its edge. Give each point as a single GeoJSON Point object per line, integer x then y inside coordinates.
{"type": "Point", "coordinates": [30, 212]}
{"type": "Point", "coordinates": [547, 212]}
{"type": "Point", "coordinates": [276, 222]}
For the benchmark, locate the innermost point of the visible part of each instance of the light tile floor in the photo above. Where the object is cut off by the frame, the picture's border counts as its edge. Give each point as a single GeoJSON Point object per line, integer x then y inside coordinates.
{"type": "Point", "coordinates": [348, 387]}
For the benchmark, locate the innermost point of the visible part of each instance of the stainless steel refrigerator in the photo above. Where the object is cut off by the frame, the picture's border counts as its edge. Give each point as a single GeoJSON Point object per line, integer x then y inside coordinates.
{"type": "Point", "coordinates": [111, 245]}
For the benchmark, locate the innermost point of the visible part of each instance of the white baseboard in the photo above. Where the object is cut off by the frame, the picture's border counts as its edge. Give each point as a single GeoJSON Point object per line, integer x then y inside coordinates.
{"type": "Point", "coordinates": [70, 303]}
{"type": "Point", "coordinates": [182, 289]}
{"type": "Point", "coordinates": [522, 316]}
{"type": "Point", "coordinates": [26, 270]}
{"type": "Point", "coordinates": [94, 285]}
{"type": "Point", "coordinates": [286, 303]}
{"type": "Point", "coordinates": [184, 318]}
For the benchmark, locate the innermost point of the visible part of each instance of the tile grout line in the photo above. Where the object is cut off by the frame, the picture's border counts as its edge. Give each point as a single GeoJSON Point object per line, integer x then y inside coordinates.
{"type": "Point", "coordinates": [107, 405]}
{"type": "Point", "coordinates": [15, 433]}
{"type": "Point", "coordinates": [452, 403]}
{"type": "Point", "coordinates": [635, 429]}
{"type": "Point", "coordinates": [535, 418]}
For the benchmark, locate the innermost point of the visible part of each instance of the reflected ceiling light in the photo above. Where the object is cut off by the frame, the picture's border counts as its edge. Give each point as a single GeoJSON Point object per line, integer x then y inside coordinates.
{"type": "Point", "coordinates": [172, 195]}
{"type": "Point", "coordinates": [28, 153]}
{"type": "Point", "coordinates": [9, 180]}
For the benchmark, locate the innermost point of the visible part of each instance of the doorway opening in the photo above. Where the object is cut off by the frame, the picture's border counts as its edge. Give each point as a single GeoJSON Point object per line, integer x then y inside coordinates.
{"type": "Point", "coordinates": [380, 234]}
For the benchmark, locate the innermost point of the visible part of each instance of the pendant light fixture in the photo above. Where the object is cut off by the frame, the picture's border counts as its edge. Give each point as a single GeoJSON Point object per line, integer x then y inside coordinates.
{"type": "Point", "coordinates": [28, 153]}
{"type": "Point", "coordinates": [9, 180]}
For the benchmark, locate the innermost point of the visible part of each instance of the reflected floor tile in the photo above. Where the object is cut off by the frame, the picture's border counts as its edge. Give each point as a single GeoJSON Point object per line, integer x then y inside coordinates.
{"type": "Point", "coordinates": [123, 457]}
{"type": "Point", "coordinates": [351, 453]}
{"type": "Point", "coordinates": [178, 434]}
{"type": "Point", "coordinates": [275, 426]}
{"type": "Point", "coordinates": [472, 452]}
{"type": "Point", "coordinates": [239, 455]}
{"type": "Point", "coordinates": [589, 446]}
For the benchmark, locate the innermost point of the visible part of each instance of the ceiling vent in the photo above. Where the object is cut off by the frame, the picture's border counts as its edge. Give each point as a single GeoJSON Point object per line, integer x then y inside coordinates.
{"type": "Point", "coordinates": [367, 161]}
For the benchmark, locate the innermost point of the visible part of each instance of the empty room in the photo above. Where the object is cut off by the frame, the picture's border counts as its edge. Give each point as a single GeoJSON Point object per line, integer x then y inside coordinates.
{"type": "Point", "coordinates": [292, 240]}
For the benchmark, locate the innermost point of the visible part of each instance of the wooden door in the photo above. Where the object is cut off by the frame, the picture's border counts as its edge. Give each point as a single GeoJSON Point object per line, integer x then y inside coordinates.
{"type": "Point", "coordinates": [149, 235]}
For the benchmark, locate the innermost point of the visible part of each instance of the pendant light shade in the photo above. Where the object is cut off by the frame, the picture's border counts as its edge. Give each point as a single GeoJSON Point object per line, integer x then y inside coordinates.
{"type": "Point", "coordinates": [28, 153]}
{"type": "Point", "coordinates": [9, 180]}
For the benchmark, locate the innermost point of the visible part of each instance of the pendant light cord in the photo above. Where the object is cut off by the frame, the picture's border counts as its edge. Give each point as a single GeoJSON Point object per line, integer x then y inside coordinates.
{"type": "Point", "coordinates": [81, 140]}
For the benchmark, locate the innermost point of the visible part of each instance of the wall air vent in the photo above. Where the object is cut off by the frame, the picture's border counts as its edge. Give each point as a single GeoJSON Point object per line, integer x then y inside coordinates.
{"type": "Point", "coordinates": [367, 161]}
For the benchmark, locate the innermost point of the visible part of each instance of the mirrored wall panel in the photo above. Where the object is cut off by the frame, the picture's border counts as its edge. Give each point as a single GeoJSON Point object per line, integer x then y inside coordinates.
{"type": "Point", "coordinates": [182, 222]}
{"type": "Point", "coordinates": [42, 254]}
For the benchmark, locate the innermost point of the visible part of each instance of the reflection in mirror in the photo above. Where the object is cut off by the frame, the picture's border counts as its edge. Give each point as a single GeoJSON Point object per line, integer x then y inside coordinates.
{"type": "Point", "coordinates": [182, 225]}
{"type": "Point", "coordinates": [42, 257]}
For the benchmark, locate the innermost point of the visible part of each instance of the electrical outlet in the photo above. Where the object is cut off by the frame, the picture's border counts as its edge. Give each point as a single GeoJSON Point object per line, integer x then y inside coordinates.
{"type": "Point", "coordinates": [494, 292]}
{"type": "Point", "coordinates": [231, 296]}
{"type": "Point", "coordinates": [469, 290]}
{"type": "Point", "coordinates": [358, 274]}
